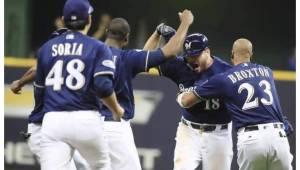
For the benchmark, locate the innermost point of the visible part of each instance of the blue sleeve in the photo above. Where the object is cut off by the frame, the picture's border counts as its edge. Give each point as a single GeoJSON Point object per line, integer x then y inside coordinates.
{"type": "Point", "coordinates": [39, 83]}
{"type": "Point", "coordinates": [213, 87]}
{"type": "Point", "coordinates": [104, 64]}
{"type": "Point", "coordinates": [103, 86]}
{"type": "Point", "coordinates": [276, 98]}
{"type": "Point", "coordinates": [170, 68]}
{"type": "Point", "coordinates": [164, 69]}
{"type": "Point", "coordinates": [40, 76]}
{"type": "Point", "coordinates": [38, 97]}
{"type": "Point", "coordinates": [142, 61]}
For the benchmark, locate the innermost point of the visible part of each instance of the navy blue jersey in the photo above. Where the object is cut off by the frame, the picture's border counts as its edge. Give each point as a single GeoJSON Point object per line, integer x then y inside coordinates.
{"type": "Point", "coordinates": [128, 64]}
{"type": "Point", "coordinates": [37, 113]}
{"type": "Point", "coordinates": [66, 68]}
{"type": "Point", "coordinates": [249, 93]}
{"type": "Point", "coordinates": [211, 111]}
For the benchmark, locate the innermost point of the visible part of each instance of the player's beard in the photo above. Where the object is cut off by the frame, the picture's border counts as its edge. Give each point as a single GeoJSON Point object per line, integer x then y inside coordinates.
{"type": "Point", "coordinates": [198, 69]}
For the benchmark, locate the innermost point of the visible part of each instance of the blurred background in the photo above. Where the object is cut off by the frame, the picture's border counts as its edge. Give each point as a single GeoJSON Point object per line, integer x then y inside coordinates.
{"type": "Point", "coordinates": [269, 24]}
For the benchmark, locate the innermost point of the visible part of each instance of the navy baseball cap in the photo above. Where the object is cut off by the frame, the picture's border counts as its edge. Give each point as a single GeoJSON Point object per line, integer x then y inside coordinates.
{"type": "Point", "coordinates": [194, 44]}
{"type": "Point", "coordinates": [77, 10]}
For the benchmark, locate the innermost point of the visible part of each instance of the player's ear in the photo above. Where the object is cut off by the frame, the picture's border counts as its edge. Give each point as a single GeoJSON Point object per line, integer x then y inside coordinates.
{"type": "Point", "coordinates": [90, 20]}
{"type": "Point", "coordinates": [231, 58]}
{"type": "Point", "coordinates": [63, 20]}
{"type": "Point", "coordinates": [207, 50]}
{"type": "Point", "coordinates": [126, 39]}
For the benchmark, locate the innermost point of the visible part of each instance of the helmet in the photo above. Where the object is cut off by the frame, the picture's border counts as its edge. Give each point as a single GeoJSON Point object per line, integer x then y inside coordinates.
{"type": "Point", "coordinates": [194, 44]}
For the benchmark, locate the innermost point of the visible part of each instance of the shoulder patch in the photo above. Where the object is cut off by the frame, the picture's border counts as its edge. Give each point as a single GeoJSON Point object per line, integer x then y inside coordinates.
{"type": "Point", "coordinates": [108, 63]}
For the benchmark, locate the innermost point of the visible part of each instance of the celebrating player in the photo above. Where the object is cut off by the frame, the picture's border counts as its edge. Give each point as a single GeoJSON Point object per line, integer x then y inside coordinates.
{"type": "Point", "coordinates": [249, 92]}
{"type": "Point", "coordinates": [128, 64]}
{"type": "Point", "coordinates": [72, 70]}
{"type": "Point", "coordinates": [204, 133]}
{"type": "Point", "coordinates": [33, 135]}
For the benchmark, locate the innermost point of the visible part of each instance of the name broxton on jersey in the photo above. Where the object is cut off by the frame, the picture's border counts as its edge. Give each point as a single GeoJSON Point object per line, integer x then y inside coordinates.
{"type": "Point", "coordinates": [248, 73]}
{"type": "Point", "coordinates": [249, 91]}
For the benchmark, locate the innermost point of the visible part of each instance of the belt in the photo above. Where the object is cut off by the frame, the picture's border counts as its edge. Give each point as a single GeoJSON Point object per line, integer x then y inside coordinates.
{"type": "Point", "coordinates": [204, 128]}
{"type": "Point", "coordinates": [110, 119]}
{"type": "Point", "coordinates": [257, 127]}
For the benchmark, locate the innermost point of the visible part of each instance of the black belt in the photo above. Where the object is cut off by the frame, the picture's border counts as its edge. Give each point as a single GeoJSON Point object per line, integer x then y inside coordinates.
{"type": "Point", "coordinates": [204, 128]}
{"type": "Point", "coordinates": [110, 119]}
{"type": "Point", "coordinates": [255, 127]}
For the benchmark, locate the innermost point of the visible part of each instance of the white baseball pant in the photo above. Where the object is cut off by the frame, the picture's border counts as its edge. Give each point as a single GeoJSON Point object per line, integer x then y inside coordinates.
{"type": "Point", "coordinates": [266, 148]}
{"type": "Point", "coordinates": [62, 132]}
{"type": "Point", "coordinates": [122, 150]}
{"type": "Point", "coordinates": [213, 149]}
{"type": "Point", "coordinates": [34, 146]}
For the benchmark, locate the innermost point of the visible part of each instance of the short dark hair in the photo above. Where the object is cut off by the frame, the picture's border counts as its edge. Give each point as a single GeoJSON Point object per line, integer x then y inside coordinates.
{"type": "Point", "coordinates": [76, 25]}
{"type": "Point", "coordinates": [118, 29]}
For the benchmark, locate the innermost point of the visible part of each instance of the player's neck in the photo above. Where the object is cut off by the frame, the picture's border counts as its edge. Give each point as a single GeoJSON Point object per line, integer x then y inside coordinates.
{"type": "Point", "coordinates": [209, 62]}
{"type": "Point", "coordinates": [84, 32]}
{"type": "Point", "coordinates": [113, 43]}
{"type": "Point", "coordinates": [237, 62]}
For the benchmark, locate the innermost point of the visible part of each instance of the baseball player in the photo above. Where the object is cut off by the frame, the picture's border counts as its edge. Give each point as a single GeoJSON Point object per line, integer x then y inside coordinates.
{"type": "Point", "coordinates": [33, 135]}
{"type": "Point", "coordinates": [204, 132]}
{"type": "Point", "coordinates": [72, 70]}
{"type": "Point", "coordinates": [123, 152]}
{"type": "Point", "coordinates": [249, 92]}
{"type": "Point", "coordinates": [129, 63]}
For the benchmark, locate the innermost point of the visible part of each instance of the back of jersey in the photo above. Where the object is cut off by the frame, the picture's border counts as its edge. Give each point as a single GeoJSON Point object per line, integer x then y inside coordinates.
{"type": "Point", "coordinates": [128, 64]}
{"type": "Point", "coordinates": [251, 95]}
{"type": "Point", "coordinates": [66, 69]}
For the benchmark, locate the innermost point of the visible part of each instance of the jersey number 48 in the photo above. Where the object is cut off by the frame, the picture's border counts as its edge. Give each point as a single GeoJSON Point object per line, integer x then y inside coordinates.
{"type": "Point", "coordinates": [74, 68]}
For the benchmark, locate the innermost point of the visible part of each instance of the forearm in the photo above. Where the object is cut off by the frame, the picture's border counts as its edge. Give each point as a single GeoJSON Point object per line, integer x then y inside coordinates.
{"type": "Point", "coordinates": [174, 46]}
{"type": "Point", "coordinates": [99, 34]}
{"type": "Point", "coordinates": [17, 85]}
{"type": "Point", "coordinates": [113, 105]}
{"type": "Point", "coordinates": [187, 99]}
{"type": "Point", "coordinates": [152, 42]}
{"type": "Point", "coordinates": [105, 91]}
{"type": "Point", "coordinates": [28, 77]}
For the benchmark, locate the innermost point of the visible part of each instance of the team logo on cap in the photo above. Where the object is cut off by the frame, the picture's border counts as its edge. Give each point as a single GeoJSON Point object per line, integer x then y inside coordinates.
{"type": "Point", "coordinates": [188, 45]}
{"type": "Point", "coordinates": [73, 17]}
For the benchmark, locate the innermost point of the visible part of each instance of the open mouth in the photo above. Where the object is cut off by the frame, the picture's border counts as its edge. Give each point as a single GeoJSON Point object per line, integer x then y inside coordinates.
{"type": "Point", "coordinates": [194, 65]}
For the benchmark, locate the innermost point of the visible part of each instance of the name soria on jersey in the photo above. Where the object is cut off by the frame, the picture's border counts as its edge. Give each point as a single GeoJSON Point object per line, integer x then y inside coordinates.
{"type": "Point", "coordinates": [67, 49]}
{"type": "Point", "coordinates": [248, 73]}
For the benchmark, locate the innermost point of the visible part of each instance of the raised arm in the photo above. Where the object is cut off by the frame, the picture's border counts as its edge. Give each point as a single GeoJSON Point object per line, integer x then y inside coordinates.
{"type": "Point", "coordinates": [174, 46]}
{"type": "Point", "coordinates": [152, 42]}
